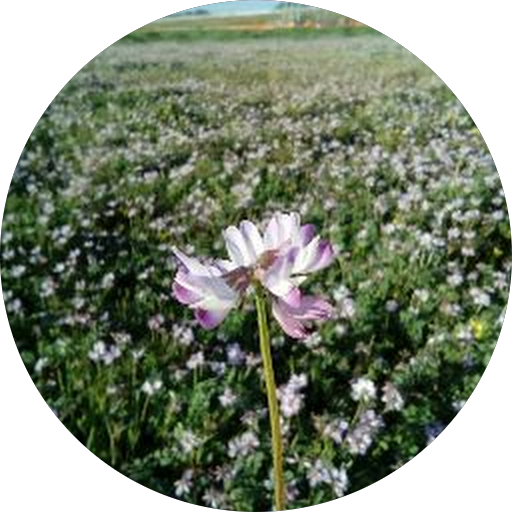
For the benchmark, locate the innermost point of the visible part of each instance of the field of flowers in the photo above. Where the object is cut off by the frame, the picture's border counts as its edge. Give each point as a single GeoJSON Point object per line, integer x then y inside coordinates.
{"type": "Point", "coordinates": [161, 144]}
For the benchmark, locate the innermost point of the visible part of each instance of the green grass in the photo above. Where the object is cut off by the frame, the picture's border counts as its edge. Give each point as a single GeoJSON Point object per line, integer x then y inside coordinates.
{"type": "Point", "coordinates": [168, 141]}
{"type": "Point", "coordinates": [209, 34]}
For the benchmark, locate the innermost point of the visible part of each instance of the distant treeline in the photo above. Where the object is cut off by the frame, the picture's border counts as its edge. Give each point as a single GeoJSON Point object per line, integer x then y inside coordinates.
{"type": "Point", "coordinates": [194, 12]}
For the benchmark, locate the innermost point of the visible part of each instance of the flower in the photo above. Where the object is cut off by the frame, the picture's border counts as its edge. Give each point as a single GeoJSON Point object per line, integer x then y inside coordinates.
{"type": "Point", "coordinates": [363, 389]}
{"type": "Point", "coordinates": [320, 472]}
{"type": "Point", "coordinates": [195, 361]}
{"type": "Point", "coordinates": [458, 405]}
{"type": "Point", "coordinates": [151, 387]}
{"type": "Point", "coordinates": [188, 441]}
{"type": "Point", "coordinates": [41, 363]}
{"type": "Point", "coordinates": [291, 395]}
{"type": "Point", "coordinates": [100, 352]}
{"type": "Point", "coordinates": [280, 261]}
{"type": "Point", "coordinates": [243, 445]}
{"type": "Point", "coordinates": [433, 430]}
{"type": "Point", "coordinates": [227, 398]}
{"type": "Point", "coordinates": [361, 437]}
{"type": "Point", "coordinates": [235, 354]}
{"type": "Point", "coordinates": [392, 397]}
{"type": "Point", "coordinates": [184, 484]}
{"type": "Point", "coordinates": [213, 498]}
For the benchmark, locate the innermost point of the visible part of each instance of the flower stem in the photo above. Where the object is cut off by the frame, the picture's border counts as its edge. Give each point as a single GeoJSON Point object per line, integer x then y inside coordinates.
{"type": "Point", "coordinates": [275, 427]}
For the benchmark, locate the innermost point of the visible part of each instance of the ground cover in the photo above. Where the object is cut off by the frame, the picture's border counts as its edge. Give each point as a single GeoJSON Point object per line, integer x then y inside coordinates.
{"type": "Point", "coordinates": [166, 143]}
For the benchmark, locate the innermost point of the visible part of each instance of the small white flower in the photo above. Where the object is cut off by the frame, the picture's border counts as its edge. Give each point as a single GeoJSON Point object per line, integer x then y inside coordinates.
{"type": "Point", "coordinates": [59, 268]}
{"type": "Point", "coordinates": [317, 474]}
{"type": "Point", "coordinates": [313, 340]}
{"type": "Point", "coordinates": [97, 352]}
{"type": "Point", "coordinates": [235, 354]}
{"type": "Point", "coordinates": [392, 397]}
{"type": "Point", "coordinates": [184, 484]}
{"type": "Point", "coordinates": [392, 306]}
{"type": "Point", "coordinates": [227, 398]}
{"type": "Point", "coordinates": [298, 382]}
{"type": "Point", "coordinates": [480, 298]}
{"type": "Point", "coordinates": [121, 338]}
{"type": "Point", "coordinates": [108, 281]}
{"type": "Point", "coordinates": [189, 441]}
{"type": "Point", "coordinates": [156, 322]}
{"type": "Point", "coordinates": [8, 254]}
{"type": "Point", "coordinates": [111, 355]}
{"type": "Point", "coordinates": [421, 295]}
{"type": "Point", "coordinates": [213, 498]}
{"type": "Point", "coordinates": [18, 271]}
{"type": "Point", "coordinates": [243, 445]}
{"type": "Point", "coordinates": [137, 354]}
{"type": "Point", "coordinates": [363, 389]}
{"type": "Point", "coordinates": [7, 237]}
{"type": "Point", "coordinates": [41, 363]}
{"type": "Point", "coordinates": [151, 387]}
{"type": "Point", "coordinates": [195, 361]}
{"type": "Point", "coordinates": [458, 405]}
{"type": "Point", "coordinates": [455, 280]}
{"type": "Point", "coordinates": [112, 390]}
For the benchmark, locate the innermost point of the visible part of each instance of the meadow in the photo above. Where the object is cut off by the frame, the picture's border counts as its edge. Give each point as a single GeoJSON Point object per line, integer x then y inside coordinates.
{"type": "Point", "coordinates": [161, 142]}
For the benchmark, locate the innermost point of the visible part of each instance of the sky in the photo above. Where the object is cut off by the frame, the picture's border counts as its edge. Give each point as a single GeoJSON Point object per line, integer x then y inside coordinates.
{"type": "Point", "coordinates": [239, 6]}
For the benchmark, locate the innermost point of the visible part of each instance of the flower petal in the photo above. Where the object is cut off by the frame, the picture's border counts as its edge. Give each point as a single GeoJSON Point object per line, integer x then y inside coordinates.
{"type": "Point", "coordinates": [252, 238]}
{"type": "Point", "coordinates": [306, 234]}
{"type": "Point", "coordinates": [277, 278]}
{"type": "Point", "coordinates": [316, 255]}
{"type": "Point", "coordinates": [207, 292]}
{"type": "Point", "coordinates": [313, 308]}
{"type": "Point", "coordinates": [184, 295]}
{"type": "Point", "coordinates": [191, 264]}
{"type": "Point", "coordinates": [225, 266]}
{"type": "Point", "coordinates": [290, 325]}
{"type": "Point", "coordinates": [289, 225]}
{"type": "Point", "coordinates": [293, 298]}
{"type": "Point", "coordinates": [216, 294]}
{"type": "Point", "coordinates": [281, 230]}
{"type": "Point", "coordinates": [209, 319]}
{"type": "Point", "coordinates": [295, 319]}
{"type": "Point", "coordinates": [271, 235]}
{"type": "Point", "coordinates": [238, 249]}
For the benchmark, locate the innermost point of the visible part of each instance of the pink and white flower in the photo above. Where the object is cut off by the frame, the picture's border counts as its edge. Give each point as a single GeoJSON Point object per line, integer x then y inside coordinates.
{"type": "Point", "coordinates": [279, 260]}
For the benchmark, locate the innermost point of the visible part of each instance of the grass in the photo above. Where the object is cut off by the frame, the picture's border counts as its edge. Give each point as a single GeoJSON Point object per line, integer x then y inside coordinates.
{"type": "Point", "coordinates": [224, 35]}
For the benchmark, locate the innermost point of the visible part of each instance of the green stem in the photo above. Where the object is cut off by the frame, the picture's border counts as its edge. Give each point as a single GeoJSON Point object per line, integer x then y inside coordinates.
{"type": "Point", "coordinates": [360, 407]}
{"type": "Point", "coordinates": [275, 427]}
{"type": "Point", "coordinates": [144, 410]}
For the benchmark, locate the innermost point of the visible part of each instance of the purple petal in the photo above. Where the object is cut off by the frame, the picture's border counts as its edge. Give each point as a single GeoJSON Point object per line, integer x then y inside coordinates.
{"type": "Point", "coordinates": [307, 233]}
{"type": "Point", "coordinates": [184, 295]}
{"type": "Point", "coordinates": [209, 319]}
{"type": "Point", "coordinates": [191, 264]}
{"type": "Point", "coordinates": [295, 319]}
{"type": "Point", "coordinates": [209, 292]}
{"type": "Point", "coordinates": [316, 255]}
{"type": "Point", "coordinates": [293, 299]}
{"type": "Point", "coordinates": [325, 255]}
{"type": "Point", "coordinates": [313, 308]}
{"type": "Point", "coordinates": [290, 325]}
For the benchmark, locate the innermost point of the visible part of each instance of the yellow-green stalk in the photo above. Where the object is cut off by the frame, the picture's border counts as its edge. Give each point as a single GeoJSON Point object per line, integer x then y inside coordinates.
{"type": "Point", "coordinates": [270, 384]}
